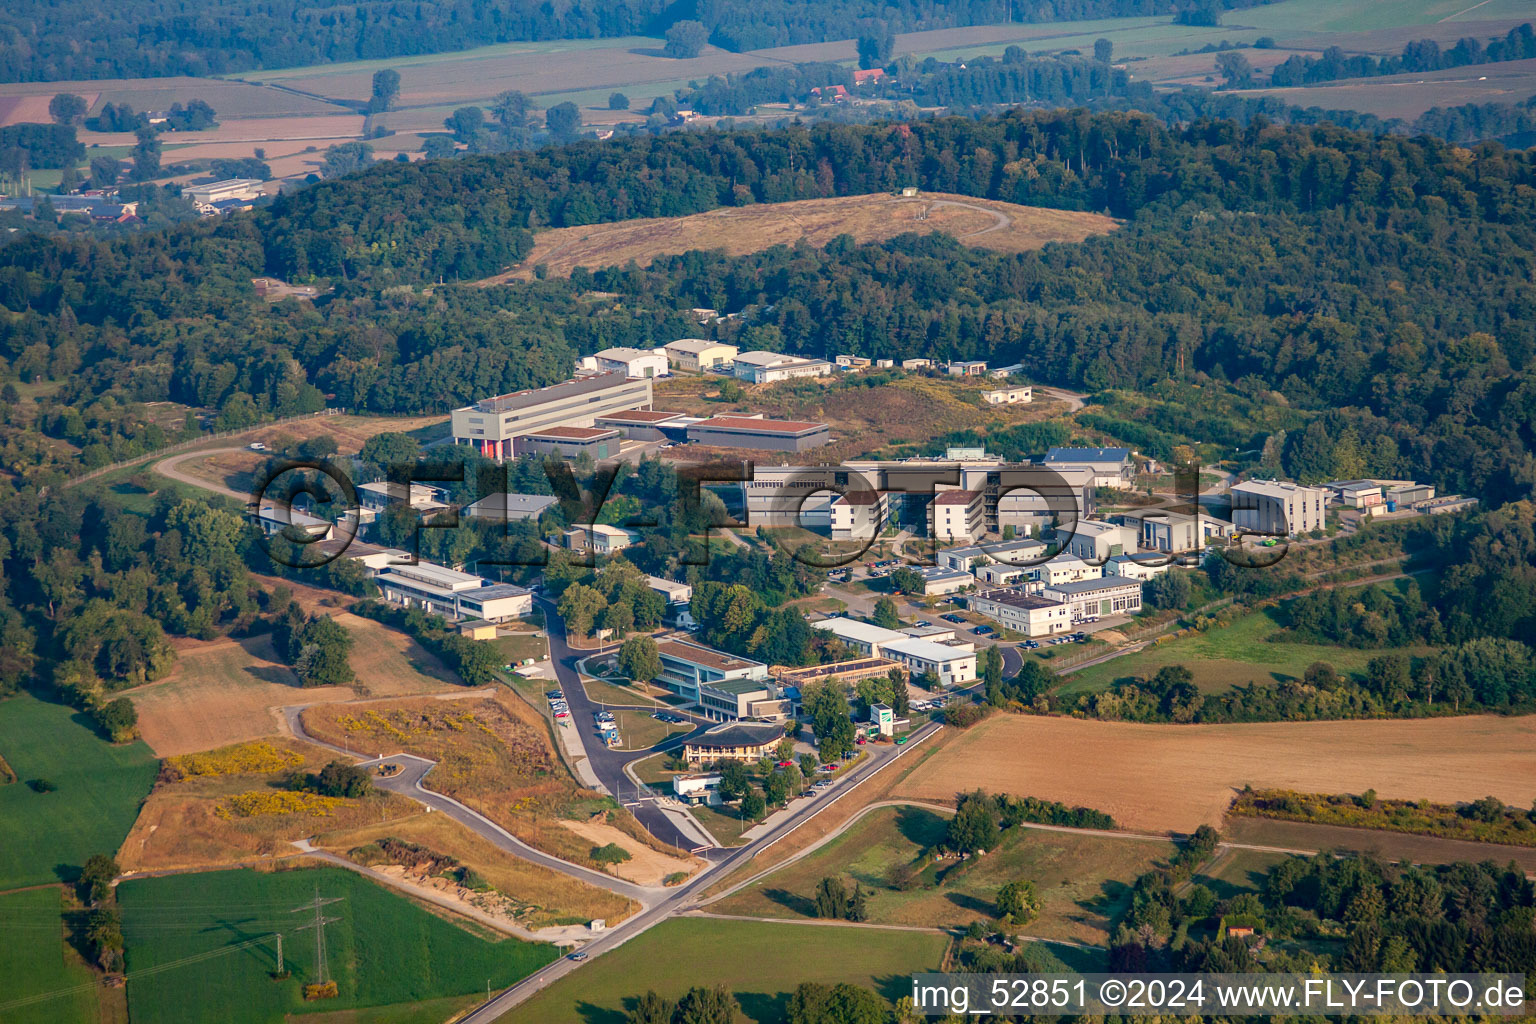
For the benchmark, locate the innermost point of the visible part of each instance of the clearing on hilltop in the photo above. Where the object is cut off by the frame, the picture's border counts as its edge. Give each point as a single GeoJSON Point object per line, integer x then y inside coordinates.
{"type": "Point", "coordinates": [739, 230]}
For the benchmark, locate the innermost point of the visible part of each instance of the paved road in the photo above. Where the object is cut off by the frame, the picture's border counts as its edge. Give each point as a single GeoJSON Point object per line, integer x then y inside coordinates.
{"type": "Point", "coordinates": [171, 468]}
{"type": "Point", "coordinates": [408, 783]}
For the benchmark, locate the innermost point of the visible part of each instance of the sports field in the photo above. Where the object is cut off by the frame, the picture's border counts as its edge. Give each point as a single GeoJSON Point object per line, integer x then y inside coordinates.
{"type": "Point", "coordinates": [1158, 777]}
{"type": "Point", "coordinates": [1005, 227]}
{"type": "Point", "coordinates": [98, 790]}
{"type": "Point", "coordinates": [1082, 879]}
{"type": "Point", "coordinates": [34, 963]}
{"type": "Point", "coordinates": [1253, 649]}
{"type": "Point", "coordinates": [760, 962]}
{"type": "Point", "coordinates": [382, 949]}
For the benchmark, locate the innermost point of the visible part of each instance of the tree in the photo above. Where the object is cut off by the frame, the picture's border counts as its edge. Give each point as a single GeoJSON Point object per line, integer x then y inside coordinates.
{"type": "Point", "coordinates": [735, 781]}
{"type": "Point", "coordinates": [338, 778]}
{"type": "Point", "coordinates": [686, 39]}
{"type": "Point", "coordinates": [652, 1009]}
{"type": "Point", "coordinates": [753, 806]}
{"type": "Point", "coordinates": [1235, 70]}
{"type": "Point", "coordinates": [1170, 589]}
{"type": "Point", "coordinates": [95, 882]}
{"type": "Point", "coordinates": [885, 614]}
{"type": "Point", "coordinates": [831, 900]}
{"type": "Point", "coordinates": [580, 606]}
{"type": "Point", "coordinates": [119, 718]}
{"type": "Point", "coordinates": [563, 120]}
{"type": "Point", "coordinates": [1017, 902]}
{"type": "Point", "coordinates": [992, 675]}
{"type": "Point", "coordinates": [104, 937]}
{"type": "Point", "coordinates": [639, 659]}
{"type": "Point", "coordinates": [104, 171]}
{"type": "Point", "coordinates": [826, 704]}
{"type": "Point", "coordinates": [67, 108]}
{"type": "Point", "coordinates": [707, 1006]}
{"type": "Point", "coordinates": [466, 124]}
{"type": "Point", "coordinates": [344, 158]}
{"type": "Point", "coordinates": [974, 826]}
{"type": "Point", "coordinates": [907, 581]}
{"type": "Point", "coordinates": [876, 41]}
{"type": "Point", "coordinates": [386, 86]}
{"type": "Point", "coordinates": [436, 147]}
{"type": "Point", "coordinates": [1103, 50]}
{"type": "Point", "coordinates": [618, 101]}
{"type": "Point", "coordinates": [146, 155]}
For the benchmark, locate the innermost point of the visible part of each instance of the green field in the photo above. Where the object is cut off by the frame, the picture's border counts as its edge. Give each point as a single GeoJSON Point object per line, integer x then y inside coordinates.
{"type": "Point", "coordinates": [1082, 880]}
{"type": "Point", "coordinates": [33, 962]}
{"type": "Point", "coordinates": [761, 962]}
{"type": "Point", "coordinates": [383, 949]}
{"type": "Point", "coordinates": [99, 790]}
{"type": "Point", "coordinates": [1233, 871]}
{"type": "Point", "coordinates": [1233, 655]}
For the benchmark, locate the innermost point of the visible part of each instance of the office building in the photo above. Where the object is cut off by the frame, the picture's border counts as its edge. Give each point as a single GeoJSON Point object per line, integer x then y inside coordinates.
{"type": "Point", "coordinates": [769, 367]}
{"type": "Point", "coordinates": [687, 666]}
{"type": "Point", "coordinates": [1022, 612]}
{"type": "Point", "coordinates": [1277, 508]}
{"type": "Point", "coordinates": [452, 594]}
{"type": "Point", "coordinates": [1094, 540]}
{"type": "Point", "coordinates": [951, 666]}
{"type": "Point", "coordinates": [736, 741]}
{"type": "Point", "coordinates": [491, 424]}
{"type": "Point", "coordinates": [1108, 595]}
{"type": "Point", "coordinates": [695, 355]}
{"type": "Point", "coordinates": [1173, 532]}
{"type": "Point", "coordinates": [956, 515]}
{"type": "Point", "coordinates": [1112, 467]}
{"type": "Point", "coordinates": [510, 507]}
{"type": "Point", "coordinates": [632, 362]}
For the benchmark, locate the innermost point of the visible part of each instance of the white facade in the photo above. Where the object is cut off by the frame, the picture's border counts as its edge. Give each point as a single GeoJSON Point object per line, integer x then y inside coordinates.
{"type": "Point", "coordinates": [1030, 614]}
{"type": "Point", "coordinates": [938, 580]}
{"type": "Point", "coordinates": [1007, 552]}
{"type": "Point", "coordinates": [1109, 595]}
{"type": "Point", "coordinates": [767, 367]}
{"type": "Point", "coordinates": [1134, 568]}
{"type": "Point", "coordinates": [1277, 508]}
{"type": "Point", "coordinates": [858, 515]}
{"type": "Point", "coordinates": [956, 516]}
{"type": "Point", "coordinates": [698, 354]}
{"type": "Point", "coordinates": [1064, 569]}
{"type": "Point", "coordinates": [952, 666]}
{"type": "Point", "coordinates": [633, 362]}
{"type": "Point", "coordinates": [452, 594]}
{"type": "Point", "coordinates": [602, 539]}
{"type": "Point", "coordinates": [1009, 396]}
{"type": "Point", "coordinates": [673, 591]}
{"type": "Point", "coordinates": [1094, 540]}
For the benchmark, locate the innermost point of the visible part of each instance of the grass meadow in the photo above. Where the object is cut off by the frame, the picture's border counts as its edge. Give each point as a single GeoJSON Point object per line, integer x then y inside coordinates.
{"type": "Point", "coordinates": [34, 962]}
{"type": "Point", "coordinates": [383, 950]}
{"type": "Point", "coordinates": [98, 790]}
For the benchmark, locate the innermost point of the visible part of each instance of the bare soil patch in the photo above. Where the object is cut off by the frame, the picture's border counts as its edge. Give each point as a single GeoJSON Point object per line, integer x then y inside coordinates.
{"type": "Point", "coordinates": [645, 866]}
{"type": "Point", "coordinates": [1162, 777]}
{"type": "Point", "coordinates": [1005, 227]}
{"type": "Point", "coordinates": [1298, 835]}
{"type": "Point", "coordinates": [1408, 96]}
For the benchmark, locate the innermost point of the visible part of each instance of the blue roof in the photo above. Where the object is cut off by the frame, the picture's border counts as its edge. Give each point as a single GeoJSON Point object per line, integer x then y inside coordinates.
{"type": "Point", "coordinates": [1087, 455]}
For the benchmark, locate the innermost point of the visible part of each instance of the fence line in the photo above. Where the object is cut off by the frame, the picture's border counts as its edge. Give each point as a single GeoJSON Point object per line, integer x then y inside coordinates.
{"type": "Point", "coordinates": [191, 443]}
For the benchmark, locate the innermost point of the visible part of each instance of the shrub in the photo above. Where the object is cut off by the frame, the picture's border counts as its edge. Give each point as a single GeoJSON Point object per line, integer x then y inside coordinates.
{"type": "Point", "coordinates": [259, 757]}
{"type": "Point", "coordinates": [41, 785]}
{"type": "Point", "coordinates": [612, 853]}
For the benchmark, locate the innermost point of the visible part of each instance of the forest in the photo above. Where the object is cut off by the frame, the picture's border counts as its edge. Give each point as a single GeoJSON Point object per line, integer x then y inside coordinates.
{"type": "Point", "coordinates": [49, 42]}
{"type": "Point", "coordinates": [1373, 286]}
{"type": "Point", "coordinates": [1421, 55]}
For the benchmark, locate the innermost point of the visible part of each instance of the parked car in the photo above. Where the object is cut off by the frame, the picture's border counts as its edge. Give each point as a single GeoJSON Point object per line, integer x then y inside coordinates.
{"type": "Point", "coordinates": [1030, 645]}
{"type": "Point", "coordinates": [555, 694]}
{"type": "Point", "coordinates": [952, 617]}
{"type": "Point", "coordinates": [983, 630]}
{"type": "Point", "coordinates": [785, 764]}
{"type": "Point", "coordinates": [923, 622]}
{"type": "Point", "coordinates": [257, 446]}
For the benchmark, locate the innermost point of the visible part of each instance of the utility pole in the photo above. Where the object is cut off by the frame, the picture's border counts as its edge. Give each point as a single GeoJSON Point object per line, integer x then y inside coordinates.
{"type": "Point", "coordinates": [280, 971]}
{"type": "Point", "coordinates": [318, 925]}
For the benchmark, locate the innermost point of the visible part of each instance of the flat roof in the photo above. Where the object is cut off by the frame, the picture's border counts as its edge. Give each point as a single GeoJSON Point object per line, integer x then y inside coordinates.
{"type": "Point", "coordinates": [1087, 454]}
{"type": "Point", "coordinates": [1271, 488]}
{"type": "Point", "coordinates": [640, 416]}
{"type": "Point", "coordinates": [864, 632]}
{"type": "Point", "coordinates": [554, 392]}
{"type": "Point", "coordinates": [749, 425]}
{"type": "Point", "coordinates": [495, 591]}
{"type": "Point", "coordinates": [697, 345]}
{"type": "Point", "coordinates": [927, 650]}
{"type": "Point", "coordinates": [939, 572]}
{"type": "Point", "coordinates": [698, 654]}
{"type": "Point", "coordinates": [1089, 586]}
{"type": "Point", "coordinates": [623, 353]}
{"type": "Point", "coordinates": [571, 433]}
{"type": "Point", "coordinates": [1015, 598]}
{"type": "Point", "coordinates": [737, 686]}
{"type": "Point", "coordinates": [430, 572]}
{"type": "Point", "coordinates": [532, 503]}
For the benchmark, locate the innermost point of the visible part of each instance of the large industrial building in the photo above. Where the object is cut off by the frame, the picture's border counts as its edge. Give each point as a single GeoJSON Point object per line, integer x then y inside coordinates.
{"type": "Point", "coordinates": [571, 442]}
{"type": "Point", "coordinates": [696, 355]}
{"type": "Point", "coordinates": [951, 666]}
{"type": "Point", "coordinates": [757, 432]}
{"type": "Point", "coordinates": [491, 425]}
{"type": "Point", "coordinates": [1277, 508]}
{"type": "Point", "coordinates": [1112, 467]}
{"type": "Point", "coordinates": [768, 367]}
{"type": "Point", "coordinates": [646, 424]}
{"type": "Point", "coordinates": [452, 594]}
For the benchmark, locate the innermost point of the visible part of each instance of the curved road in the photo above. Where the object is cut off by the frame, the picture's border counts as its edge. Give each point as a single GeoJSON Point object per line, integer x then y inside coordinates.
{"type": "Point", "coordinates": [171, 468]}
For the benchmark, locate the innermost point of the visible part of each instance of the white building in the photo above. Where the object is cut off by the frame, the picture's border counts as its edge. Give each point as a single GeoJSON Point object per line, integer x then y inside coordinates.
{"type": "Point", "coordinates": [952, 666]}
{"type": "Point", "coordinates": [966, 367]}
{"type": "Point", "coordinates": [916, 364]}
{"type": "Point", "coordinates": [767, 367]}
{"type": "Point", "coordinates": [1112, 467]}
{"type": "Point", "coordinates": [1007, 552]}
{"type": "Point", "coordinates": [1173, 532]}
{"type": "Point", "coordinates": [1064, 569]}
{"type": "Point", "coordinates": [510, 507]}
{"type": "Point", "coordinates": [273, 517]}
{"type": "Point", "coordinates": [998, 574]}
{"type": "Point", "coordinates": [221, 191]}
{"type": "Point", "coordinates": [696, 355]}
{"type": "Point", "coordinates": [1009, 396]}
{"type": "Point", "coordinates": [858, 515]}
{"type": "Point", "coordinates": [674, 592]}
{"type": "Point", "coordinates": [1004, 372]}
{"type": "Point", "coordinates": [600, 538]}
{"type": "Point", "coordinates": [633, 362]}
{"type": "Point", "coordinates": [452, 594]}
{"type": "Point", "coordinates": [697, 789]}
{"type": "Point", "coordinates": [1277, 508]}
{"type": "Point", "coordinates": [1030, 614]}
{"type": "Point", "coordinates": [1108, 595]}
{"type": "Point", "coordinates": [938, 580]}
{"type": "Point", "coordinates": [956, 516]}
{"type": "Point", "coordinates": [1134, 568]}
{"type": "Point", "coordinates": [379, 495]}
{"type": "Point", "coordinates": [1094, 540]}
{"type": "Point", "coordinates": [491, 424]}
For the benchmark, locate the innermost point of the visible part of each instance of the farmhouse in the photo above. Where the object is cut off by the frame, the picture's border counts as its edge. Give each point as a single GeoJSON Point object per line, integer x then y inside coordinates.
{"type": "Point", "coordinates": [740, 741]}
{"type": "Point", "coordinates": [757, 432]}
{"type": "Point", "coordinates": [768, 367]}
{"type": "Point", "coordinates": [510, 507]}
{"type": "Point", "coordinates": [1277, 508]}
{"type": "Point", "coordinates": [1108, 595]}
{"type": "Point", "coordinates": [633, 362]}
{"type": "Point", "coordinates": [452, 594]}
{"type": "Point", "coordinates": [491, 424]}
{"type": "Point", "coordinates": [1024, 613]}
{"type": "Point", "coordinates": [571, 442]}
{"type": "Point", "coordinates": [1112, 467]}
{"type": "Point", "coordinates": [1009, 396]}
{"type": "Point", "coordinates": [699, 354]}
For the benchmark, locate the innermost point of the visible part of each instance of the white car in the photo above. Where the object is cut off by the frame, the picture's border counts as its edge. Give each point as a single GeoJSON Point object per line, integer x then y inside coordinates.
{"type": "Point", "coordinates": [257, 446]}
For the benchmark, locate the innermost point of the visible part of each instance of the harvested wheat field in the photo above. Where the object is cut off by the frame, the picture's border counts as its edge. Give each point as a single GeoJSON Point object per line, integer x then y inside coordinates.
{"type": "Point", "coordinates": [1162, 777]}
{"type": "Point", "coordinates": [1005, 227]}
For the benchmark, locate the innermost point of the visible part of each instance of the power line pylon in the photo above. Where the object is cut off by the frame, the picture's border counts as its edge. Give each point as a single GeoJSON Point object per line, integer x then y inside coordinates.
{"type": "Point", "coordinates": [318, 924]}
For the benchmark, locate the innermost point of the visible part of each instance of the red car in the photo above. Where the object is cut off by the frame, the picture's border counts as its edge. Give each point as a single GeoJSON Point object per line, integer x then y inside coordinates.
{"type": "Point", "coordinates": [785, 764]}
